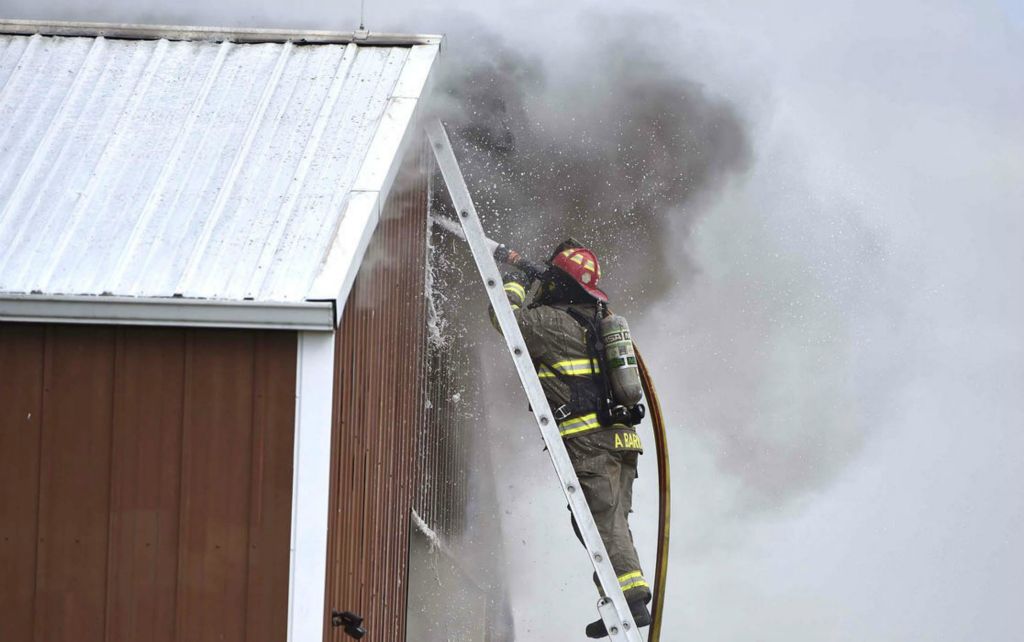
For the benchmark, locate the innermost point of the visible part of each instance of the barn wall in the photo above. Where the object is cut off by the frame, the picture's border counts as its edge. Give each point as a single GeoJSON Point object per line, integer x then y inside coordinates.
{"type": "Point", "coordinates": [145, 483]}
{"type": "Point", "coordinates": [399, 444]}
{"type": "Point", "coordinates": [380, 408]}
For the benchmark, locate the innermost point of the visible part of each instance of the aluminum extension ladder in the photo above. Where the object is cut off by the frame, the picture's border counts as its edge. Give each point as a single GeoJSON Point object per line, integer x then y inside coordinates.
{"type": "Point", "coordinates": [613, 609]}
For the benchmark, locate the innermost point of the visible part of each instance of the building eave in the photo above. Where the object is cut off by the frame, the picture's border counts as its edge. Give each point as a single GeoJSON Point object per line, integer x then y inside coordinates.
{"type": "Point", "coordinates": [308, 315]}
{"type": "Point", "coordinates": [397, 129]}
{"type": "Point", "coordinates": [213, 34]}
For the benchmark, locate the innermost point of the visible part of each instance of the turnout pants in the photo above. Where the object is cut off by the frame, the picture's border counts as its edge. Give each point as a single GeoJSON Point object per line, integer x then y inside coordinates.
{"type": "Point", "coordinates": [606, 476]}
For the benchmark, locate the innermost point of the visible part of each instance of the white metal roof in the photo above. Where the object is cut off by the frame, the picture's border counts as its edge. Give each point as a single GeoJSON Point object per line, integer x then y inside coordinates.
{"type": "Point", "coordinates": [194, 169]}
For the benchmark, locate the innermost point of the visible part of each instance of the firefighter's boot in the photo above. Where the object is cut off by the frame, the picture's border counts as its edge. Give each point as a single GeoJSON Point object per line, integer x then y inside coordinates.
{"type": "Point", "coordinates": [641, 616]}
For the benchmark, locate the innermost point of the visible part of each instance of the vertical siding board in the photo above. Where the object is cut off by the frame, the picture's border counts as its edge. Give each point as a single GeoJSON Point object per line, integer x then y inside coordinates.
{"type": "Point", "coordinates": [119, 566]}
{"type": "Point", "coordinates": [270, 519]}
{"type": "Point", "coordinates": [350, 500]}
{"type": "Point", "coordinates": [219, 431]}
{"type": "Point", "coordinates": [258, 436]}
{"type": "Point", "coordinates": [367, 428]}
{"type": "Point", "coordinates": [359, 423]}
{"type": "Point", "coordinates": [407, 352]}
{"type": "Point", "coordinates": [168, 527]}
{"type": "Point", "coordinates": [391, 565]}
{"type": "Point", "coordinates": [21, 393]}
{"type": "Point", "coordinates": [145, 483]}
{"type": "Point", "coordinates": [375, 387]}
{"type": "Point", "coordinates": [181, 582]}
{"type": "Point", "coordinates": [71, 571]}
{"type": "Point", "coordinates": [349, 503]}
{"type": "Point", "coordinates": [333, 552]}
{"type": "Point", "coordinates": [389, 428]}
{"type": "Point", "coordinates": [377, 486]}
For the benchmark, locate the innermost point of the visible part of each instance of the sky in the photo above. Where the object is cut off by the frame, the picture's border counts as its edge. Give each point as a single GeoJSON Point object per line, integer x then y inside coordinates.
{"type": "Point", "coordinates": [842, 364]}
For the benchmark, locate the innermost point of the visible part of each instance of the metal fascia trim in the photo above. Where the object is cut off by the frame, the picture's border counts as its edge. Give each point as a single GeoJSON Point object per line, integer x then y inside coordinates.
{"type": "Point", "coordinates": [215, 34]}
{"type": "Point", "coordinates": [375, 179]}
{"type": "Point", "coordinates": [316, 316]}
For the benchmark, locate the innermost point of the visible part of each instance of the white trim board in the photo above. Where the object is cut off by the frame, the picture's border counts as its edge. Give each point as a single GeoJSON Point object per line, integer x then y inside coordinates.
{"type": "Point", "coordinates": [311, 481]}
{"type": "Point", "coordinates": [203, 313]}
{"type": "Point", "coordinates": [375, 179]}
{"type": "Point", "coordinates": [214, 34]}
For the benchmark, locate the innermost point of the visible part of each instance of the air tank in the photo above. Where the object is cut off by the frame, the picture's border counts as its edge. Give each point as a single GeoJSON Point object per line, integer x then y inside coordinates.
{"type": "Point", "coordinates": [620, 361]}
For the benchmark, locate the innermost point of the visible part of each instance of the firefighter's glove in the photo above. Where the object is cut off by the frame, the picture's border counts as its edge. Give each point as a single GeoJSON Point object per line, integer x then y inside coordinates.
{"type": "Point", "coordinates": [502, 254]}
{"type": "Point", "coordinates": [532, 269]}
{"type": "Point", "coordinates": [508, 256]}
{"type": "Point", "coordinates": [515, 289]}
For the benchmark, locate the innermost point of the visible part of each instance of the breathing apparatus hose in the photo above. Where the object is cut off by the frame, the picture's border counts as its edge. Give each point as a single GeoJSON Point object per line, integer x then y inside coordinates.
{"type": "Point", "coordinates": [664, 497]}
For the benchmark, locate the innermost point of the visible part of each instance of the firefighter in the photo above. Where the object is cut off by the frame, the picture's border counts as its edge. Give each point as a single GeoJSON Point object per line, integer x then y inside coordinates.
{"type": "Point", "coordinates": [561, 327]}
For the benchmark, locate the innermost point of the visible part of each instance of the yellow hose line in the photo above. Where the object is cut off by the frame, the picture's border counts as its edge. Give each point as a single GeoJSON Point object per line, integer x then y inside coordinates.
{"type": "Point", "coordinates": [664, 497]}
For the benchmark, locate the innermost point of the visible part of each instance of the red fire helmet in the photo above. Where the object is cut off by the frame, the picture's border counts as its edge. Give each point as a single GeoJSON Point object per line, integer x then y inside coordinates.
{"type": "Point", "coordinates": [581, 264]}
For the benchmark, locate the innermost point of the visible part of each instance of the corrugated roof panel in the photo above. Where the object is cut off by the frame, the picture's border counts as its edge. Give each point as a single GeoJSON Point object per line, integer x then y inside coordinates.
{"type": "Point", "coordinates": [201, 169]}
{"type": "Point", "coordinates": [347, 127]}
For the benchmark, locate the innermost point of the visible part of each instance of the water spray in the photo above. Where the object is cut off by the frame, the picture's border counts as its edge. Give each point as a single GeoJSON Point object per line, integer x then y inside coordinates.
{"type": "Point", "coordinates": [501, 252]}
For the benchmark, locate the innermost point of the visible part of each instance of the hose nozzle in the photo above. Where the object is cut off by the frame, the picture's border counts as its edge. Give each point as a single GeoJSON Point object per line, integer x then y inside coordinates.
{"type": "Point", "coordinates": [508, 256]}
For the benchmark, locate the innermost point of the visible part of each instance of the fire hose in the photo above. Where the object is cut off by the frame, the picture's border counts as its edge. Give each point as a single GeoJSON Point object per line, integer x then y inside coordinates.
{"type": "Point", "coordinates": [664, 497]}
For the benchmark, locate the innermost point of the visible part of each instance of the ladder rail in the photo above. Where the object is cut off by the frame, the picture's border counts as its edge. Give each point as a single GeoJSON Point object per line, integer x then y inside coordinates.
{"type": "Point", "coordinates": [613, 608]}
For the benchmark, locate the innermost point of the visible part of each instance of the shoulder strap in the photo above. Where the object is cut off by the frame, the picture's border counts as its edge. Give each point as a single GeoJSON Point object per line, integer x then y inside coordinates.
{"type": "Point", "coordinates": [594, 343]}
{"type": "Point", "coordinates": [588, 323]}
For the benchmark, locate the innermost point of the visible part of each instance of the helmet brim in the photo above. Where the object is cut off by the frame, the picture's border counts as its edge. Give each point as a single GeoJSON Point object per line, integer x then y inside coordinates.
{"type": "Point", "coordinates": [595, 292]}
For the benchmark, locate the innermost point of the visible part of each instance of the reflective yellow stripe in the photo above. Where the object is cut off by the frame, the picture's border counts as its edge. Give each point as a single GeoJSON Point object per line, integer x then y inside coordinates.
{"type": "Point", "coordinates": [580, 424]}
{"type": "Point", "coordinates": [569, 367]}
{"type": "Point", "coordinates": [635, 584]}
{"type": "Point", "coordinates": [576, 367]}
{"type": "Point", "coordinates": [517, 289]}
{"type": "Point", "coordinates": [632, 580]}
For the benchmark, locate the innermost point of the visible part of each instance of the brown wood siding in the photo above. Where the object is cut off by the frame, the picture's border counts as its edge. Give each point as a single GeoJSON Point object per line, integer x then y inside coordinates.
{"type": "Point", "coordinates": [380, 400]}
{"type": "Point", "coordinates": [145, 483]}
{"type": "Point", "coordinates": [21, 403]}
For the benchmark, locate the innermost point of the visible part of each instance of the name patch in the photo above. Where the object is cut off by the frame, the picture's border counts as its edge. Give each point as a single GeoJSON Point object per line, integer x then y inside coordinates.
{"type": "Point", "coordinates": [627, 440]}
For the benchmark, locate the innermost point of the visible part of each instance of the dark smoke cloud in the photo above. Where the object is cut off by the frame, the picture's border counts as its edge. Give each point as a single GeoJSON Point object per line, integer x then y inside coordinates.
{"type": "Point", "coordinates": [605, 142]}
{"type": "Point", "coordinates": [602, 138]}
